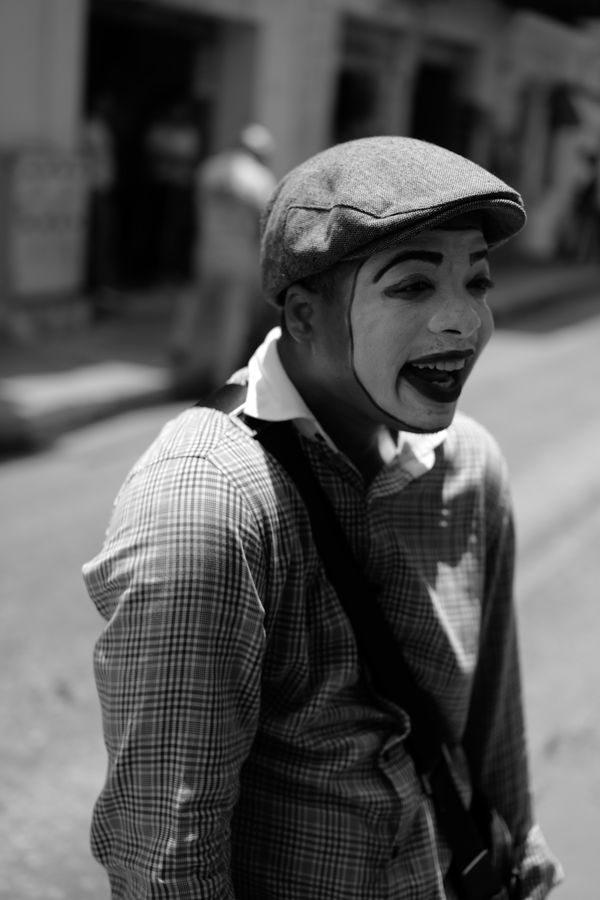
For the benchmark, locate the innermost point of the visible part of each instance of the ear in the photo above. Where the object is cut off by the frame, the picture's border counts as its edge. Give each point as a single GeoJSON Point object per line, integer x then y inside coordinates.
{"type": "Point", "coordinates": [299, 312]}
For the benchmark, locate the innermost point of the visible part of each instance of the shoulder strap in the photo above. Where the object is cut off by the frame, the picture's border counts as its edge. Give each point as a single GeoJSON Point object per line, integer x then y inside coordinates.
{"type": "Point", "coordinates": [227, 398]}
{"type": "Point", "coordinates": [375, 640]}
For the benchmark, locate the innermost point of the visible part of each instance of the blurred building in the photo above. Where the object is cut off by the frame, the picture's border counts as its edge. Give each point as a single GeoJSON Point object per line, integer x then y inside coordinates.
{"type": "Point", "coordinates": [496, 80]}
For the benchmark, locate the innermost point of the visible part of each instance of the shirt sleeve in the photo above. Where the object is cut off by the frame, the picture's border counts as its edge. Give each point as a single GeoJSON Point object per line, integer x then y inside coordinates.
{"type": "Point", "coordinates": [495, 739]}
{"type": "Point", "coordinates": [178, 672]}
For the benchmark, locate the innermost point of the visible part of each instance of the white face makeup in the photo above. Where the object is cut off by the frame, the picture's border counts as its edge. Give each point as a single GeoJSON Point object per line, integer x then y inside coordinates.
{"type": "Point", "coordinates": [418, 320]}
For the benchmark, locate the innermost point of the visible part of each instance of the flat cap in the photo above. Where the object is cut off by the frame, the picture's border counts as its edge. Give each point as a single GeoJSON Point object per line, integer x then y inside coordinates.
{"type": "Point", "coordinates": [362, 196]}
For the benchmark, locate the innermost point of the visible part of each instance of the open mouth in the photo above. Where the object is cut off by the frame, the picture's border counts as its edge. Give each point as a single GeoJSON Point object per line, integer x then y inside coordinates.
{"type": "Point", "coordinates": [438, 378]}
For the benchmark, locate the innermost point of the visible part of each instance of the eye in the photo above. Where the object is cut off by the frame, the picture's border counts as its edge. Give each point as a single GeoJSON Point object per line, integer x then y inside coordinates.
{"type": "Point", "coordinates": [481, 284]}
{"type": "Point", "coordinates": [409, 288]}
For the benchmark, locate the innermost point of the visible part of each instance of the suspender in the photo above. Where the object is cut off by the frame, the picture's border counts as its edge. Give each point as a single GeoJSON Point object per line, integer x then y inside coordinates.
{"type": "Point", "coordinates": [475, 877]}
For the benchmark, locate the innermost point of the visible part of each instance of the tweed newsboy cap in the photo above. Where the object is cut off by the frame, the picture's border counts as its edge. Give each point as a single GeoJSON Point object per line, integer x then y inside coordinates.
{"type": "Point", "coordinates": [357, 198]}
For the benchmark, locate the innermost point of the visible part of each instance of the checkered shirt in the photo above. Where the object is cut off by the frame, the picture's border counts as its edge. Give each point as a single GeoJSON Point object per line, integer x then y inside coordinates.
{"type": "Point", "coordinates": [248, 755]}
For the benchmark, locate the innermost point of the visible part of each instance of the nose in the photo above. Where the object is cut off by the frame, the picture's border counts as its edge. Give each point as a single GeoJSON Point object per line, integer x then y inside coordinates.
{"type": "Point", "coordinates": [456, 313]}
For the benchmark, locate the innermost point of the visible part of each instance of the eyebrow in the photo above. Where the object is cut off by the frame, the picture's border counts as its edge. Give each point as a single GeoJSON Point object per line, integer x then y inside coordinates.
{"type": "Point", "coordinates": [421, 255]}
{"type": "Point", "coordinates": [424, 256]}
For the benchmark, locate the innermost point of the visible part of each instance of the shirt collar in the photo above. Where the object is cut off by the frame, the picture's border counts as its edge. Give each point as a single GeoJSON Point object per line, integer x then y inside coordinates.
{"type": "Point", "coordinates": [272, 397]}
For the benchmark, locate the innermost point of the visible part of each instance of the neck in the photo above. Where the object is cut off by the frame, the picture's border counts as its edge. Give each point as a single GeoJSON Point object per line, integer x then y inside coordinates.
{"type": "Point", "coordinates": [368, 444]}
{"type": "Point", "coordinates": [368, 452]}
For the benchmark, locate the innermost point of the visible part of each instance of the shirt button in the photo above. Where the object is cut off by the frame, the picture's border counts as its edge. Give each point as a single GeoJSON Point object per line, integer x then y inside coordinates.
{"type": "Point", "coordinates": [395, 852]}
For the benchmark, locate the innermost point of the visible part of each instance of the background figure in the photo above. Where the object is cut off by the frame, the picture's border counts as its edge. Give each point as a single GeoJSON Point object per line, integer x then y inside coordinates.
{"type": "Point", "coordinates": [221, 317]}
{"type": "Point", "coordinates": [562, 220]}
{"type": "Point", "coordinates": [100, 166]}
{"type": "Point", "coordinates": [585, 243]}
{"type": "Point", "coordinates": [173, 146]}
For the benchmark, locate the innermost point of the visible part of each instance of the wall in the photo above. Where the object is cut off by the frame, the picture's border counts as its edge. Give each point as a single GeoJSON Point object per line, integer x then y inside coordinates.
{"type": "Point", "coordinates": [42, 194]}
{"type": "Point", "coordinates": [278, 63]}
{"type": "Point", "coordinates": [41, 51]}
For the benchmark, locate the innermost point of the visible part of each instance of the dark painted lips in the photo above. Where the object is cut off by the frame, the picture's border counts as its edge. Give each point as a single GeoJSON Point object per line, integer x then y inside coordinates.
{"type": "Point", "coordinates": [440, 385]}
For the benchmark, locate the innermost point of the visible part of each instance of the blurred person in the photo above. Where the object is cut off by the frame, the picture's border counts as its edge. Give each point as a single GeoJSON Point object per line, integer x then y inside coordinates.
{"type": "Point", "coordinates": [221, 316]}
{"type": "Point", "coordinates": [173, 145]}
{"type": "Point", "coordinates": [583, 243]}
{"type": "Point", "coordinates": [98, 149]}
{"type": "Point", "coordinates": [562, 217]}
{"type": "Point", "coordinates": [255, 747]}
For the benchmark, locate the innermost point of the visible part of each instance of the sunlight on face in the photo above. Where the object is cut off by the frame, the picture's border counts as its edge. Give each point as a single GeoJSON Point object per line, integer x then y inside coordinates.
{"type": "Point", "coordinates": [418, 320]}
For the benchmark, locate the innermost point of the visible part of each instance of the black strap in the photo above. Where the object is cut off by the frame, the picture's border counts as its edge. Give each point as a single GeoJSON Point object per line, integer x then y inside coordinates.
{"type": "Point", "coordinates": [227, 398]}
{"type": "Point", "coordinates": [474, 875]}
{"type": "Point", "coordinates": [390, 673]}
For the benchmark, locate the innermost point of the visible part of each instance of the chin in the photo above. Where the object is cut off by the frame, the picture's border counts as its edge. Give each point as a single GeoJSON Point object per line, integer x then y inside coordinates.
{"type": "Point", "coordinates": [427, 421]}
{"type": "Point", "coordinates": [408, 410]}
{"type": "Point", "coordinates": [424, 415]}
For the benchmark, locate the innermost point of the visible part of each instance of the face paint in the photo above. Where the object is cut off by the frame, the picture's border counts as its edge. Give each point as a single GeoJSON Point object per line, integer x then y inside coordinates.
{"type": "Point", "coordinates": [418, 320]}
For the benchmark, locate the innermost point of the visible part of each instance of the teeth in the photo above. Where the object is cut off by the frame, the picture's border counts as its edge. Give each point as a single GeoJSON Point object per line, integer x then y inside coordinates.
{"type": "Point", "coordinates": [445, 365]}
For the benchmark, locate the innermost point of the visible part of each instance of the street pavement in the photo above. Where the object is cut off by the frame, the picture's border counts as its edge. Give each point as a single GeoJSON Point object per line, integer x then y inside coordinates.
{"type": "Point", "coordinates": [62, 378]}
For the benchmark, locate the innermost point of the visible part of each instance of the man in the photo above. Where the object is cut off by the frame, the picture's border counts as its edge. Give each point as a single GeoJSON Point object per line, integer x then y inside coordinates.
{"type": "Point", "coordinates": [222, 316]}
{"type": "Point", "coordinates": [250, 754]}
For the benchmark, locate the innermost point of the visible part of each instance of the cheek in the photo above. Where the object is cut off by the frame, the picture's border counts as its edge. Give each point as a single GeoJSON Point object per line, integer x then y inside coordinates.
{"type": "Point", "coordinates": [381, 339]}
{"type": "Point", "coordinates": [333, 354]}
{"type": "Point", "coordinates": [487, 327]}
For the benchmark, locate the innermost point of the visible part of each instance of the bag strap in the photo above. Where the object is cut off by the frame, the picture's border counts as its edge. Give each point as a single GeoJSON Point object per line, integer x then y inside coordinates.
{"type": "Point", "coordinates": [390, 673]}
{"type": "Point", "coordinates": [428, 742]}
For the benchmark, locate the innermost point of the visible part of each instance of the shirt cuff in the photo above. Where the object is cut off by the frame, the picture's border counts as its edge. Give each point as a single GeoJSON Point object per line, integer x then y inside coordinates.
{"type": "Point", "coordinates": [540, 870]}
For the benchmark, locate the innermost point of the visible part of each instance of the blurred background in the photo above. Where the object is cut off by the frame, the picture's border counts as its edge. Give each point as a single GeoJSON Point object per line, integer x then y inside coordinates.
{"type": "Point", "coordinates": [130, 189]}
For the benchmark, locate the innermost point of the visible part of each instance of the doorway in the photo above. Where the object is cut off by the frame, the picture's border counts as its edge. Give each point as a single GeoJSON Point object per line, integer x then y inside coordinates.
{"type": "Point", "coordinates": [442, 113]}
{"type": "Point", "coordinates": [142, 64]}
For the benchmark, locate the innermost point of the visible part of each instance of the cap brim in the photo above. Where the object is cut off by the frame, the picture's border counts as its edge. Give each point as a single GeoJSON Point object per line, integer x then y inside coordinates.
{"type": "Point", "coordinates": [501, 220]}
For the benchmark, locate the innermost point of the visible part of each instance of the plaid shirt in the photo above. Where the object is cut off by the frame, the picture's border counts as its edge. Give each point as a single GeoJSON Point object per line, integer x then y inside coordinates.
{"type": "Point", "coordinates": [248, 754]}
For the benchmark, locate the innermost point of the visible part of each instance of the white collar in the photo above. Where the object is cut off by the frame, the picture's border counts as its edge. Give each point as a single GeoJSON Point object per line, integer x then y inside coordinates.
{"type": "Point", "coordinates": [272, 397]}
